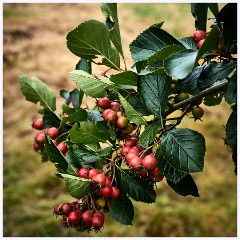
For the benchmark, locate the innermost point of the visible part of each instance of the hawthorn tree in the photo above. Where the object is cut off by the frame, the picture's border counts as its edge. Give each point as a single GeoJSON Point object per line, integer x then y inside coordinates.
{"type": "Point", "coordinates": [117, 151]}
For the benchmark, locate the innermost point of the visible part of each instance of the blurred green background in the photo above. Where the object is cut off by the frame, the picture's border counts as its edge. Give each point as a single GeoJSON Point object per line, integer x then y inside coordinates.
{"type": "Point", "coordinates": [34, 44]}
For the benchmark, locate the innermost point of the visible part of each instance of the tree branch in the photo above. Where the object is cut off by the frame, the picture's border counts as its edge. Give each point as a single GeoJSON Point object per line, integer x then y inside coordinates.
{"type": "Point", "coordinates": [193, 99]}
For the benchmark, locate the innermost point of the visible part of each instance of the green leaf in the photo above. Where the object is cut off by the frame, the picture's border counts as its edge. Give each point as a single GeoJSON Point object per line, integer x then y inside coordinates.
{"type": "Point", "coordinates": [110, 9]}
{"type": "Point", "coordinates": [50, 119]}
{"type": "Point", "coordinates": [125, 78]}
{"type": "Point", "coordinates": [184, 149]}
{"type": "Point", "coordinates": [88, 84]}
{"type": "Point", "coordinates": [121, 209]}
{"type": "Point", "coordinates": [90, 39]}
{"type": "Point", "coordinates": [214, 8]}
{"type": "Point", "coordinates": [231, 130]}
{"type": "Point", "coordinates": [136, 188]}
{"type": "Point", "coordinates": [79, 115]}
{"type": "Point", "coordinates": [87, 133]}
{"type": "Point", "coordinates": [188, 43]}
{"type": "Point", "coordinates": [230, 92]}
{"type": "Point", "coordinates": [150, 42]}
{"type": "Point", "coordinates": [165, 52]}
{"type": "Point", "coordinates": [65, 94]}
{"type": "Point", "coordinates": [190, 83]}
{"type": "Point", "coordinates": [137, 104]}
{"type": "Point", "coordinates": [186, 186]}
{"type": "Point", "coordinates": [94, 116]}
{"type": "Point", "coordinates": [167, 169]}
{"type": "Point", "coordinates": [215, 71]}
{"type": "Point", "coordinates": [154, 91]}
{"type": "Point", "coordinates": [179, 65]}
{"type": "Point", "coordinates": [76, 186]}
{"type": "Point", "coordinates": [150, 132]}
{"type": "Point", "coordinates": [199, 11]}
{"type": "Point", "coordinates": [36, 91]}
{"type": "Point", "coordinates": [84, 65]}
{"type": "Point", "coordinates": [130, 112]}
{"type": "Point", "coordinates": [213, 99]}
{"type": "Point", "coordinates": [55, 156]}
{"type": "Point", "coordinates": [76, 98]}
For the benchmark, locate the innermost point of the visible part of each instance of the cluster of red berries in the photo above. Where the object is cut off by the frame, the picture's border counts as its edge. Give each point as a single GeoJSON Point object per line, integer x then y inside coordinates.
{"type": "Point", "coordinates": [74, 215]}
{"type": "Point", "coordinates": [106, 190]}
{"type": "Point", "coordinates": [52, 132]}
{"type": "Point", "coordinates": [199, 36]}
{"type": "Point", "coordinates": [145, 165]}
{"type": "Point", "coordinates": [113, 113]}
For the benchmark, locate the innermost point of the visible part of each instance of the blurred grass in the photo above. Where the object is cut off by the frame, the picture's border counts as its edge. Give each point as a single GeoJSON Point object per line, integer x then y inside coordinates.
{"type": "Point", "coordinates": [31, 188]}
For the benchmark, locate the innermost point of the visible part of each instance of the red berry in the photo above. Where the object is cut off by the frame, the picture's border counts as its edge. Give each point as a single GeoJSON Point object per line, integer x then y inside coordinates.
{"type": "Point", "coordinates": [83, 173]}
{"type": "Point", "coordinates": [67, 208]}
{"type": "Point", "coordinates": [52, 132]}
{"type": "Point", "coordinates": [129, 156]}
{"type": "Point", "coordinates": [135, 162]}
{"type": "Point", "coordinates": [130, 142]}
{"type": "Point", "coordinates": [199, 35]}
{"type": "Point", "coordinates": [74, 217]}
{"type": "Point", "coordinates": [87, 218]}
{"type": "Point", "coordinates": [149, 162]}
{"type": "Point", "coordinates": [108, 181]}
{"type": "Point", "coordinates": [40, 137]}
{"type": "Point", "coordinates": [115, 106]}
{"type": "Point", "coordinates": [104, 103]}
{"type": "Point", "coordinates": [115, 193]}
{"type": "Point", "coordinates": [101, 72]}
{"type": "Point", "coordinates": [122, 122]}
{"type": "Point", "coordinates": [104, 113]}
{"type": "Point", "coordinates": [93, 172]}
{"type": "Point", "coordinates": [200, 43]}
{"type": "Point", "coordinates": [125, 150]}
{"type": "Point", "coordinates": [62, 147]}
{"type": "Point", "coordinates": [97, 221]}
{"type": "Point", "coordinates": [57, 209]}
{"type": "Point", "coordinates": [111, 116]}
{"type": "Point", "coordinates": [106, 191]}
{"type": "Point", "coordinates": [142, 171]}
{"type": "Point", "coordinates": [134, 150]}
{"type": "Point", "coordinates": [38, 146]}
{"type": "Point", "coordinates": [100, 178]}
{"type": "Point", "coordinates": [38, 124]}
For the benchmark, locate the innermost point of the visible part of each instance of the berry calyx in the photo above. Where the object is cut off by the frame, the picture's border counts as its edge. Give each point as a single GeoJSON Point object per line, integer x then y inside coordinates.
{"type": "Point", "coordinates": [52, 132]}
{"type": "Point", "coordinates": [100, 178]}
{"type": "Point", "coordinates": [38, 146]}
{"type": "Point", "coordinates": [93, 172]}
{"type": "Point", "coordinates": [104, 103]}
{"type": "Point", "coordinates": [74, 217]}
{"type": "Point", "coordinates": [122, 122]}
{"type": "Point", "coordinates": [83, 173]}
{"type": "Point", "coordinates": [115, 193]}
{"type": "Point", "coordinates": [106, 191]}
{"type": "Point", "coordinates": [197, 112]}
{"type": "Point", "coordinates": [149, 162]}
{"type": "Point", "coordinates": [38, 124]}
{"type": "Point", "coordinates": [199, 35]}
{"type": "Point", "coordinates": [62, 148]}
